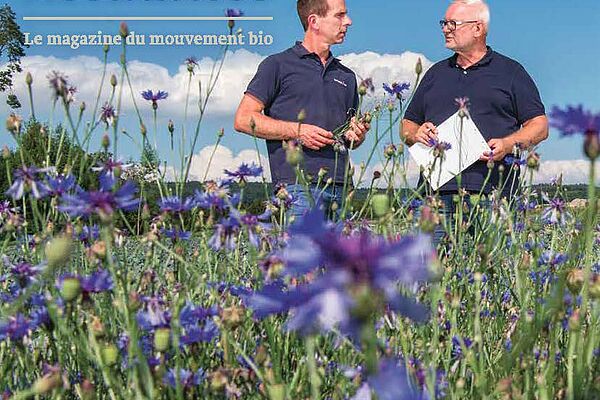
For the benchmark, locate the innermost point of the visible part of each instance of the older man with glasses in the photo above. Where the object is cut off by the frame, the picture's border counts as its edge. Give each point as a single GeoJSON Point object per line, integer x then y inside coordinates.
{"type": "Point", "coordinates": [504, 102]}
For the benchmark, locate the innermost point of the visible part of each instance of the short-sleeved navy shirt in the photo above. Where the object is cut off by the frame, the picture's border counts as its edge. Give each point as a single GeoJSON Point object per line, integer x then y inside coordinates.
{"type": "Point", "coordinates": [296, 80]}
{"type": "Point", "coordinates": [502, 96]}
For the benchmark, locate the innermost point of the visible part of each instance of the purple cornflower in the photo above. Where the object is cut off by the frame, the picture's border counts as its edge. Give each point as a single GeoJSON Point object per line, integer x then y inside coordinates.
{"type": "Point", "coordinates": [153, 316]}
{"type": "Point", "coordinates": [23, 272]}
{"type": "Point", "coordinates": [108, 114]}
{"type": "Point", "coordinates": [367, 84]}
{"type": "Point", "coordinates": [60, 85]}
{"type": "Point", "coordinates": [28, 179]}
{"type": "Point", "coordinates": [256, 225]}
{"type": "Point", "coordinates": [225, 234]}
{"type": "Point", "coordinates": [187, 379]}
{"type": "Point", "coordinates": [347, 271]}
{"type": "Point", "coordinates": [438, 147]}
{"type": "Point", "coordinates": [191, 63]}
{"type": "Point", "coordinates": [15, 328]}
{"type": "Point", "coordinates": [574, 120]}
{"type": "Point", "coordinates": [457, 345]}
{"type": "Point", "coordinates": [244, 172]}
{"type": "Point", "coordinates": [5, 208]}
{"type": "Point", "coordinates": [463, 106]}
{"type": "Point", "coordinates": [555, 212]}
{"type": "Point", "coordinates": [396, 89]}
{"type": "Point", "coordinates": [176, 204]}
{"type": "Point", "coordinates": [102, 202]}
{"type": "Point", "coordinates": [154, 97]}
{"type": "Point", "coordinates": [60, 185]}
{"type": "Point", "coordinates": [389, 383]}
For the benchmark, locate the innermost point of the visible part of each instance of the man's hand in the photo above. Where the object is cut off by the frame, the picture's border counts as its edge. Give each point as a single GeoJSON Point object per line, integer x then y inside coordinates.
{"type": "Point", "coordinates": [313, 137]}
{"type": "Point", "coordinates": [425, 133]}
{"type": "Point", "coordinates": [500, 148]}
{"type": "Point", "coordinates": [356, 133]}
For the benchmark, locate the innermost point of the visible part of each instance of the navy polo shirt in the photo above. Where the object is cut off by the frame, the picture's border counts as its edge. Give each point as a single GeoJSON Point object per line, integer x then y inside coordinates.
{"type": "Point", "coordinates": [502, 96]}
{"type": "Point", "coordinates": [296, 80]}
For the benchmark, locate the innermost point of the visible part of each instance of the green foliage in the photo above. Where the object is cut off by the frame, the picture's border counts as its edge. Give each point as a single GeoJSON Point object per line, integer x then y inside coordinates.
{"type": "Point", "coordinates": [12, 42]}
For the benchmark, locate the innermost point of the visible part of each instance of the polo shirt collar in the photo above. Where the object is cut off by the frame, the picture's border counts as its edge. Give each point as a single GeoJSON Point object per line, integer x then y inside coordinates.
{"type": "Point", "coordinates": [487, 58]}
{"type": "Point", "coordinates": [302, 52]}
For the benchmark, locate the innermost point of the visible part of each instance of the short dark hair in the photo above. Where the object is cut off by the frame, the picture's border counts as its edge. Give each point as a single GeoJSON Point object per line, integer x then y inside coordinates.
{"type": "Point", "coordinates": [308, 7]}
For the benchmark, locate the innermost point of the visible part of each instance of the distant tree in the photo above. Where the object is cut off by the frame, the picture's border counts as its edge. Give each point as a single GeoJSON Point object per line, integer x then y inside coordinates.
{"type": "Point", "coordinates": [12, 44]}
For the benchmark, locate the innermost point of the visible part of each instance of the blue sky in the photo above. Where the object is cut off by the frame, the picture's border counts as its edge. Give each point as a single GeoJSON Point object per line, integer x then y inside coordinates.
{"type": "Point", "coordinates": [555, 41]}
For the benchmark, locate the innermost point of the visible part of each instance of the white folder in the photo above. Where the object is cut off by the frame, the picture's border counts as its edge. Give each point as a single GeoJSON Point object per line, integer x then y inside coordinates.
{"type": "Point", "coordinates": [457, 158]}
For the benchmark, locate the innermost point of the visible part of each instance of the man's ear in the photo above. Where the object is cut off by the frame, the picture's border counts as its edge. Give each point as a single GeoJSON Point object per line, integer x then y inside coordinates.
{"type": "Point", "coordinates": [480, 30]}
{"type": "Point", "coordinates": [313, 22]}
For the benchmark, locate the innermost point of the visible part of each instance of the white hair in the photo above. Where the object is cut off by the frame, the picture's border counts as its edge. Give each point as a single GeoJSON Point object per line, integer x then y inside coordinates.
{"type": "Point", "coordinates": [481, 9]}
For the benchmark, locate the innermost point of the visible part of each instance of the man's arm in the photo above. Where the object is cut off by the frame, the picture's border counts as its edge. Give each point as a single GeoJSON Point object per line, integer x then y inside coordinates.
{"type": "Point", "coordinates": [250, 111]}
{"type": "Point", "coordinates": [531, 133]}
{"type": "Point", "coordinates": [412, 132]}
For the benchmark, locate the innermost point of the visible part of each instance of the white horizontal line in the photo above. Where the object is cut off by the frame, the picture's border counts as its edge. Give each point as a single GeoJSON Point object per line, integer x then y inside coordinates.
{"type": "Point", "coordinates": [147, 18]}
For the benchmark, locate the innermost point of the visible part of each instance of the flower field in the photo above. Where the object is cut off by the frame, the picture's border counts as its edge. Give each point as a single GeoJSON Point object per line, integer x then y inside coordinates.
{"type": "Point", "coordinates": [117, 282]}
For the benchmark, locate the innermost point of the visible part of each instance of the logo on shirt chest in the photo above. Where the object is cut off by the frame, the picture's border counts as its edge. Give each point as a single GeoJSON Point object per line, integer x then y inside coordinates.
{"type": "Point", "coordinates": [340, 82]}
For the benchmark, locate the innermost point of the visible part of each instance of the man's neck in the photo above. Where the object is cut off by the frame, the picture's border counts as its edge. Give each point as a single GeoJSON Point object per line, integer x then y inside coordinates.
{"type": "Point", "coordinates": [314, 45]}
{"type": "Point", "coordinates": [471, 57]}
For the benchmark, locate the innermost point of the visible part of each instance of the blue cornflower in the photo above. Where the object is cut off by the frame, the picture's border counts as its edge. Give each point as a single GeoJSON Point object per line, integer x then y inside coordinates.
{"type": "Point", "coordinates": [15, 328]}
{"type": "Point", "coordinates": [107, 114]}
{"type": "Point", "coordinates": [396, 89]}
{"type": "Point", "coordinates": [154, 97]}
{"type": "Point", "coordinates": [555, 213]}
{"type": "Point", "coordinates": [176, 205]}
{"type": "Point", "coordinates": [102, 202]}
{"type": "Point", "coordinates": [60, 185]}
{"type": "Point", "coordinates": [574, 120]}
{"type": "Point", "coordinates": [234, 12]}
{"type": "Point", "coordinates": [389, 383]}
{"type": "Point", "coordinates": [215, 195]}
{"type": "Point", "coordinates": [348, 270]}
{"type": "Point", "coordinates": [88, 234]}
{"type": "Point", "coordinates": [244, 172]}
{"type": "Point", "coordinates": [28, 179]}
{"type": "Point", "coordinates": [457, 343]}
{"type": "Point", "coordinates": [109, 170]}
{"type": "Point", "coordinates": [176, 234]}
{"type": "Point", "coordinates": [187, 379]}
{"type": "Point", "coordinates": [197, 324]}
{"type": "Point", "coordinates": [513, 161]}
{"type": "Point", "coordinates": [98, 282]}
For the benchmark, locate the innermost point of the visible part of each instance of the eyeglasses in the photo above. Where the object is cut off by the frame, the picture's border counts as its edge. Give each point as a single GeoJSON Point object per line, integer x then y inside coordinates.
{"type": "Point", "coordinates": [452, 24]}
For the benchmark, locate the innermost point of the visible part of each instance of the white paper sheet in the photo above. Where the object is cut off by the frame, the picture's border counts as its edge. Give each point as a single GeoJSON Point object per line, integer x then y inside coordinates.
{"type": "Point", "coordinates": [438, 172]}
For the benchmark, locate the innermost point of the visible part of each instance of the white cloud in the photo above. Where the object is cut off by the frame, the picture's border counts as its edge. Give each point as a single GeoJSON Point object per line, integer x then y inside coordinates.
{"type": "Point", "coordinates": [573, 171]}
{"type": "Point", "coordinates": [239, 67]}
{"type": "Point", "coordinates": [222, 159]}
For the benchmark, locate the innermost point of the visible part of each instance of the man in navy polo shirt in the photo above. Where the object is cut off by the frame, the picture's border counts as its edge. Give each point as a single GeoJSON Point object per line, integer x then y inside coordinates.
{"type": "Point", "coordinates": [504, 102]}
{"type": "Point", "coordinates": [306, 78]}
